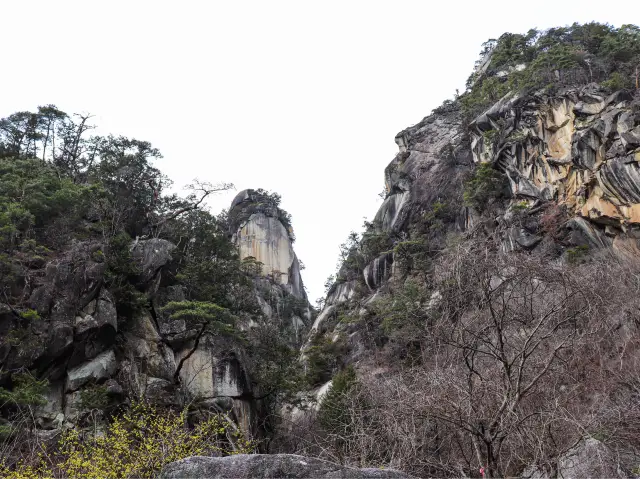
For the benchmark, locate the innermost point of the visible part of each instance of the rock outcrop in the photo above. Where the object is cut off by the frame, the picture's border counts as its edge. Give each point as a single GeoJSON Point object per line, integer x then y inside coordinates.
{"type": "Point", "coordinates": [259, 232]}
{"type": "Point", "coordinates": [571, 169]}
{"type": "Point", "coordinates": [578, 149]}
{"type": "Point", "coordinates": [83, 343]}
{"type": "Point", "coordinates": [257, 466]}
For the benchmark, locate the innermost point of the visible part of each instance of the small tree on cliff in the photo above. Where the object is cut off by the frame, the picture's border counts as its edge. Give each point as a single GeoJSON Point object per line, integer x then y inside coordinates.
{"type": "Point", "coordinates": [205, 318]}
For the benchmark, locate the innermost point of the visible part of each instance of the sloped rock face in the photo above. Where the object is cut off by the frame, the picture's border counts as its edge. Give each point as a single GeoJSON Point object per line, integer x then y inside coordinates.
{"type": "Point", "coordinates": [244, 466]}
{"type": "Point", "coordinates": [578, 149]}
{"type": "Point", "coordinates": [571, 163]}
{"type": "Point", "coordinates": [435, 158]}
{"type": "Point", "coordinates": [257, 226]}
{"type": "Point", "coordinates": [82, 343]}
{"type": "Point", "coordinates": [100, 368]}
{"type": "Point", "coordinates": [151, 255]}
{"type": "Point", "coordinates": [215, 372]}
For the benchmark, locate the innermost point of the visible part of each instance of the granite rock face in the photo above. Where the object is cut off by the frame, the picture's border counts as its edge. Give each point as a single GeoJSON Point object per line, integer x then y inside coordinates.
{"type": "Point", "coordinates": [260, 233]}
{"type": "Point", "coordinates": [571, 168]}
{"type": "Point", "coordinates": [590, 459]}
{"type": "Point", "coordinates": [578, 149]}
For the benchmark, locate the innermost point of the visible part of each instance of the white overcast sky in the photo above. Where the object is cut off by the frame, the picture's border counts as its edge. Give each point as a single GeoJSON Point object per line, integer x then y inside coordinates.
{"type": "Point", "coordinates": [299, 97]}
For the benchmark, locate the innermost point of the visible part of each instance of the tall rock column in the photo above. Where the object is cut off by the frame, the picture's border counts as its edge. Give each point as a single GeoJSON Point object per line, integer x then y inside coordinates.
{"type": "Point", "coordinates": [258, 228]}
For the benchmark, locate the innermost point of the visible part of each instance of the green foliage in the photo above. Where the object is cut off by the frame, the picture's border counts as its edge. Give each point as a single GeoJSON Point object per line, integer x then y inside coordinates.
{"type": "Point", "coordinates": [403, 309]}
{"type": "Point", "coordinates": [273, 199]}
{"type": "Point", "coordinates": [483, 94]}
{"type": "Point", "coordinates": [334, 412]}
{"type": "Point", "coordinates": [215, 318]}
{"type": "Point", "coordinates": [120, 274]}
{"type": "Point", "coordinates": [32, 197]}
{"type": "Point", "coordinates": [485, 185]}
{"type": "Point", "coordinates": [489, 136]}
{"type": "Point", "coordinates": [573, 55]}
{"type": "Point", "coordinates": [577, 254]}
{"type": "Point", "coordinates": [274, 366]}
{"type": "Point", "coordinates": [26, 391]}
{"type": "Point", "coordinates": [520, 206]}
{"type": "Point", "coordinates": [351, 261]}
{"type": "Point", "coordinates": [323, 358]}
{"type": "Point", "coordinates": [30, 315]}
{"type": "Point", "coordinates": [617, 81]}
{"type": "Point", "coordinates": [137, 443]}
{"type": "Point", "coordinates": [209, 266]}
{"type": "Point", "coordinates": [94, 397]}
{"type": "Point", "coordinates": [374, 243]}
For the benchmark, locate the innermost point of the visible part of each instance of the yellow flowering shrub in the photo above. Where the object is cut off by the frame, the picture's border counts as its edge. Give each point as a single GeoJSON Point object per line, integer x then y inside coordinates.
{"type": "Point", "coordinates": [136, 444]}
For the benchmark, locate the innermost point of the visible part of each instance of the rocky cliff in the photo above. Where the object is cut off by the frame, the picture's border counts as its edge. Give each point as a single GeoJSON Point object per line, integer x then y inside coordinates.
{"type": "Point", "coordinates": [578, 150]}
{"type": "Point", "coordinates": [485, 322]}
{"type": "Point", "coordinates": [490, 214]}
{"type": "Point", "coordinates": [88, 352]}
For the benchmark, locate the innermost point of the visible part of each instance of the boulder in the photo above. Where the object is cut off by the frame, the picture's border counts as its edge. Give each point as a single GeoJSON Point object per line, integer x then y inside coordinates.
{"type": "Point", "coordinates": [590, 459]}
{"type": "Point", "coordinates": [151, 255]}
{"type": "Point", "coordinates": [95, 328]}
{"type": "Point", "coordinates": [48, 414]}
{"type": "Point", "coordinates": [71, 281]}
{"type": "Point", "coordinates": [245, 466]}
{"type": "Point", "coordinates": [99, 368]}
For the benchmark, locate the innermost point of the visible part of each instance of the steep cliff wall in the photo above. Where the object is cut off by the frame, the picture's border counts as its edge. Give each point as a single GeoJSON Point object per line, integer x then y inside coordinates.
{"type": "Point", "coordinates": [86, 348]}
{"type": "Point", "coordinates": [258, 230]}
{"type": "Point", "coordinates": [539, 188]}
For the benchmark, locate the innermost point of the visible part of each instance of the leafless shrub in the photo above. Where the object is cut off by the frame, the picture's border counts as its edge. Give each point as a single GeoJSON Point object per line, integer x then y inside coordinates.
{"type": "Point", "coordinates": [520, 361]}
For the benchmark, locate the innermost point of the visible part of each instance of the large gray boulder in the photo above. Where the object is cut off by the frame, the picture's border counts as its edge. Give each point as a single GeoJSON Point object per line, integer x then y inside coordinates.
{"type": "Point", "coordinates": [151, 255]}
{"type": "Point", "coordinates": [262, 466]}
{"type": "Point", "coordinates": [98, 369]}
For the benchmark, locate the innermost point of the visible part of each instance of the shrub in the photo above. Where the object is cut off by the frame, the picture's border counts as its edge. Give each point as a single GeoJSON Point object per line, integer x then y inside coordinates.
{"type": "Point", "coordinates": [333, 413]}
{"type": "Point", "coordinates": [136, 444]}
{"type": "Point", "coordinates": [577, 254]}
{"type": "Point", "coordinates": [26, 391]}
{"type": "Point", "coordinates": [30, 315]}
{"type": "Point", "coordinates": [94, 397]}
{"type": "Point", "coordinates": [485, 184]}
{"type": "Point", "coordinates": [616, 81]}
{"type": "Point", "coordinates": [323, 359]}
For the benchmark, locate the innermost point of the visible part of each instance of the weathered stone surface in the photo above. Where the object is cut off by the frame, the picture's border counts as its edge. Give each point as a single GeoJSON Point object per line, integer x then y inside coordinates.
{"type": "Point", "coordinates": [378, 270]}
{"type": "Point", "coordinates": [167, 326]}
{"type": "Point", "coordinates": [257, 466]}
{"type": "Point", "coordinates": [258, 231]}
{"type": "Point", "coordinates": [266, 239]}
{"type": "Point", "coordinates": [113, 388]}
{"type": "Point", "coordinates": [60, 340]}
{"type": "Point", "coordinates": [206, 375]}
{"type": "Point", "coordinates": [95, 328]}
{"type": "Point", "coordinates": [160, 392]}
{"type": "Point", "coordinates": [574, 148]}
{"type": "Point", "coordinates": [71, 282]}
{"type": "Point", "coordinates": [144, 344]}
{"type": "Point", "coordinates": [151, 255]}
{"type": "Point", "coordinates": [48, 415]}
{"type": "Point", "coordinates": [99, 368]}
{"type": "Point", "coordinates": [390, 215]}
{"type": "Point", "coordinates": [516, 238]}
